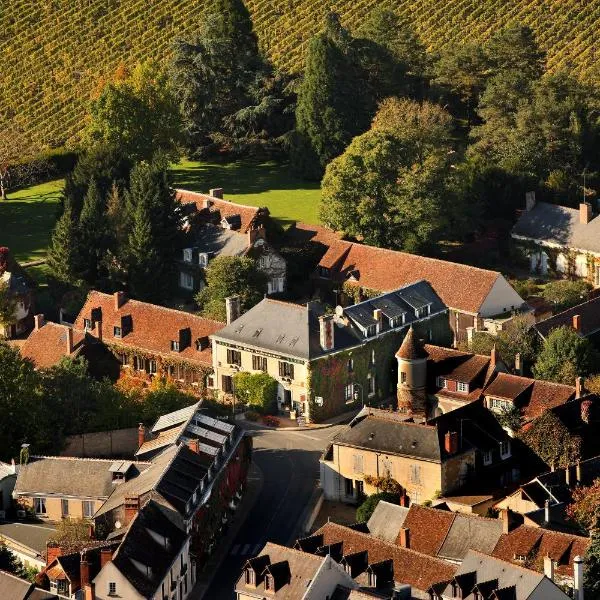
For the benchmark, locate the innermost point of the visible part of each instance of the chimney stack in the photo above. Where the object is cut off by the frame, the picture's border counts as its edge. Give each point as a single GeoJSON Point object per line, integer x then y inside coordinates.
{"type": "Point", "coordinates": [326, 332]}
{"type": "Point", "coordinates": [579, 387]}
{"type": "Point", "coordinates": [105, 556]}
{"type": "Point", "coordinates": [99, 330]}
{"type": "Point", "coordinates": [585, 213]}
{"type": "Point", "coordinates": [529, 201]}
{"type": "Point", "coordinates": [53, 550]}
{"type": "Point", "coordinates": [84, 570]}
{"type": "Point", "coordinates": [518, 364]}
{"type": "Point", "coordinates": [578, 478]}
{"type": "Point", "coordinates": [507, 520]}
{"type": "Point", "coordinates": [69, 341]}
{"type": "Point", "coordinates": [549, 568]}
{"type": "Point", "coordinates": [141, 435]}
{"type": "Point", "coordinates": [216, 193]}
{"type": "Point", "coordinates": [493, 357]}
{"type": "Point", "coordinates": [451, 442]}
{"type": "Point", "coordinates": [38, 322]}
{"type": "Point", "coordinates": [233, 308]}
{"type": "Point", "coordinates": [404, 500]}
{"type": "Point", "coordinates": [378, 316]}
{"type": "Point", "coordinates": [119, 299]}
{"type": "Point", "coordinates": [578, 578]}
{"type": "Point", "coordinates": [194, 446]}
{"type": "Point", "coordinates": [577, 323]}
{"type": "Point", "coordinates": [547, 511]}
{"type": "Point", "coordinates": [404, 537]}
{"type": "Point", "coordinates": [132, 507]}
{"type": "Point", "coordinates": [568, 476]}
{"type": "Point", "coordinates": [89, 591]}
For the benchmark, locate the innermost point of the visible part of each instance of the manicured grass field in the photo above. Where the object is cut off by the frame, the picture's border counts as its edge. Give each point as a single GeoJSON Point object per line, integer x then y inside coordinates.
{"type": "Point", "coordinates": [27, 218]}
{"type": "Point", "coordinates": [267, 184]}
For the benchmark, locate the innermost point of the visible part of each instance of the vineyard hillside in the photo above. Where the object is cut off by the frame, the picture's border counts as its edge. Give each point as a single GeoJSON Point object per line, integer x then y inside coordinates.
{"type": "Point", "coordinates": [55, 53]}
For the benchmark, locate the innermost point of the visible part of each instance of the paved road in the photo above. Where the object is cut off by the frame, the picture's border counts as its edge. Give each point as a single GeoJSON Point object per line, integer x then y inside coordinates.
{"type": "Point", "coordinates": [289, 461]}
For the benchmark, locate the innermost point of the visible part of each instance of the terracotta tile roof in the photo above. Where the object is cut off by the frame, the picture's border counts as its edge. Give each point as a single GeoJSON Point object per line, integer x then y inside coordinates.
{"type": "Point", "coordinates": [589, 319]}
{"type": "Point", "coordinates": [313, 233]}
{"type": "Point", "coordinates": [153, 327]}
{"type": "Point", "coordinates": [508, 386]}
{"type": "Point", "coordinates": [454, 364]}
{"type": "Point", "coordinates": [460, 286]}
{"type": "Point", "coordinates": [546, 395]}
{"type": "Point", "coordinates": [248, 214]}
{"type": "Point", "coordinates": [412, 567]}
{"type": "Point", "coordinates": [534, 541]}
{"type": "Point", "coordinates": [428, 528]}
{"type": "Point", "coordinates": [48, 344]}
{"type": "Point", "coordinates": [411, 348]}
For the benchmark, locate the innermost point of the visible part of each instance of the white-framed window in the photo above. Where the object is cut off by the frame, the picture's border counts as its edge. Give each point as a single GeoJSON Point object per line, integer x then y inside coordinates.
{"type": "Point", "coordinates": [349, 393]}
{"type": "Point", "coordinates": [371, 384]}
{"type": "Point", "coordinates": [174, 346]}
{"type": "Point", "coordinates": [187, 255]}
{"type": "Point", "coordinates": [112, 588]}
{"type": "Point", "coordinates": [259, 363]}
{"type": "Point", "coordinates": [88, 509]}
{"type": "Point", "coordinates": [117, 331]}
{"type": "Point", "coordinates": [261, 262]}
{"type": "Point", "coordinates": [125, 359]}
{"type": "Point", "coordinates": [275, 285]}
{"type": "Point", "coordinates": [286, 369]}
{"type": "Point", "coordinates": [39, 504]}
{"type": "Point", "coordinates": [487, 457]}
{"type": "Point", "coordinates": [186, 281]}
{"type": "Point", "coordinates": [151, 366]}
{"type": "Point", "coordinates": [87, 324]}
{"type": "Point", "coordinates": [461, 386]}
{"type": "Point", "coordinates": [442, 382]}
{"type": "Point", "coordinates": [203, 259]}
{"type": "Point", "coordinates": [505, 449]}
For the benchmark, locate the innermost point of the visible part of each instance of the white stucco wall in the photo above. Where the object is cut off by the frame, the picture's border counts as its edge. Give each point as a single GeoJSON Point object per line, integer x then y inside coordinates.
{"type": "Point", "coordinates": [502, 297]}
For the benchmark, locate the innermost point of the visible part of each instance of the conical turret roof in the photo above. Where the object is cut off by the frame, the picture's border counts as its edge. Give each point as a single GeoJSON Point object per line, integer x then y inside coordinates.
{"type": "Point", "coordinates": [411, 348]}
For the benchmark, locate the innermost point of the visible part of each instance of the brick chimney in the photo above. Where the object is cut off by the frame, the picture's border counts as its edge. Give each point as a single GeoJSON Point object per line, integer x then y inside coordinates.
{"type": "Point", "coordinates": [577, 323]}
{"type": "Point", "coordinates": [326, 332]}
{"type": "Point", "coordinates": [84, 570]}
{"type": "Point", "coordinates": [578, 578]}
{"type": "Point", "coordinates": [38, 322]}
{"type": "Point", "coordinates": [451, 442]}
{"type": "Point", "coordinates": [105, 556]}
{"type": "Point", "coordinates": [216, 193]}
{"type": "Point", "coordinates": [132, 507]}
{"type": "Point", "coordinates": [579, 387]}
{"type": "Point", "coordinates": [99, 330]}
{"type": "Point", "coordinates": [233, 308]}
{"type": "Point", "coordinates": [507, 520]}
{"type": "Point", "coordinates": [141, 435]}
{"type": "Point", "coordinates": [529, 201]}
{"type": "Point", "coordinates": [404, 537]}
{"type": "Point", "coordinates": [194, 446]}
{"type": "Point", "coordinates": [518, 364]}
{"type": "Point", "coordinates": [119, 299]}
{"type": "Point", "coordinates": [404, 500]}
{"type": "Point", "coordinates": [585, 213]}
{"type": "Point", "coordinates": [89, 591]}
{"type": "Point", "coordinates": [53, 550]}
{"type": "Point", "coordinates": [493, 356]}
{"type": "Point", "coordinates": [69, 347]}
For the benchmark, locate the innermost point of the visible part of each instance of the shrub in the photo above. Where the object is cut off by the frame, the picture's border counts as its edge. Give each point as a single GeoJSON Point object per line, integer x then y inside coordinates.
{"type": "Point", "coordinates": [252, 415]}
{"type": "Point", "coordinates": [259, 390]}
{"type": "Point", "coordinates": [365, 510]}
{"type": "Point", "coordinates": [564, 293]}
{"type": "Point", "coordinates": [271, 421]}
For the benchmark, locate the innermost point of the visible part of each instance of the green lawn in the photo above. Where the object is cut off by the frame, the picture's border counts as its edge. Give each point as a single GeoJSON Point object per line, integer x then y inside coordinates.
{"type": "Point", "coordinates": [267, 184]}
{"type": "Point", "coordinates": [27, 218]}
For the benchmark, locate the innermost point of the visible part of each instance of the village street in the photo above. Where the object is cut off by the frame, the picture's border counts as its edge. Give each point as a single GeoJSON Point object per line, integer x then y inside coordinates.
{"type": "Point", "coordinates": [285, 478]}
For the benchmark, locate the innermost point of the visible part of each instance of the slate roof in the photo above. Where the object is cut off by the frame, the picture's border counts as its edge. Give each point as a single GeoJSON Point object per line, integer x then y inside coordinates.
{"type": "Point", "coordinates": [487, 569]}
{"type": "Point", "coordinates": [417, 569]}
{"type": "Point", "coordinates": [470, 532]}
{"type": "Point", "coordinates": [293, 329]}
{"type": "Point", "coordinates": [302, 569]}
{"type": "Point", "coordinates": [153, 327]}
{"type": "Point", "coordinates": [48, 344]}
{"type": "Point", "coordinates": [248, 214]}
{"type": "Point", "coordinates": [177, 417]}
{"type": "Point", "coordinates": [7, 470]}
{"type": "Point", "coordinates": [387, 520]}
{"type": "Point", "coordinates": [216, 241]}
{"type": "Point", "coordinates": [558, 225]}
{"type": "Point", "coordinates": [67, 476]}
{"type": "Point", "coordinates": [529, 541]}
{"type": "Point", "coordinates": [28, 535]}
{"type": "Point", "coordinates": [589, 319]}
{"type": "Point", "coordinates": [15, 588]}
{"type": "Point", "coordinates": [139, 545]}
{"type": "Point", "coordinates": [460, 287]}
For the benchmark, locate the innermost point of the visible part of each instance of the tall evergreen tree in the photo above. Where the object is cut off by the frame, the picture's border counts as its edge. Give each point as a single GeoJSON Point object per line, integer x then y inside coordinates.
{"type": "Point", "coordinates": [211, 73]}
{"type": "Point", "coordinates": [63, 251]}
{"type": "Point", "coordinates": [332, 107]}
{"type": "Point", "coordinates": [92, 235]}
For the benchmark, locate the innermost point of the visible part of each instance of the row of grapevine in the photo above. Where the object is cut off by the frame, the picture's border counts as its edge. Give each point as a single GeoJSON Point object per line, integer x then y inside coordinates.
{"type": "Point", "coordinates": [56, 52]}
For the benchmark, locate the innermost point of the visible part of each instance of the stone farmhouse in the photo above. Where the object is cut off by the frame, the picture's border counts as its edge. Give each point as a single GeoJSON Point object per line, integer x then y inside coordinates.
{"type": "Point", "coordinates": [216, 227]}
{"type": "Point", "coordinates": [558, 239]}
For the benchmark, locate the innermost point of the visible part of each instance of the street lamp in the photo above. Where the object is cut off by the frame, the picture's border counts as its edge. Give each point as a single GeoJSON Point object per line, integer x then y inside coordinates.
{"type": "Point", "coordinates": [362, 396]}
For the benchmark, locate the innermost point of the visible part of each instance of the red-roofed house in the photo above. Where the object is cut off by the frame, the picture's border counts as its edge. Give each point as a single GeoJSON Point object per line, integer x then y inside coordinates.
{"type": "Point", "coordinates": [150, 340]}
{"type": "Point", "coordinates": [471, 294]}
{"type": "Point", "coordinates": [20, 288]}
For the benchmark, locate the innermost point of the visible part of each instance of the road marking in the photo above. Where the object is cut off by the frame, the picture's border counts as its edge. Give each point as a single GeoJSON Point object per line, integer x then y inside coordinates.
{"type": "Point", "coordinates": [235, 549]}
{"type": "Point", "coordinates": [245, 550]}
{"type": "Point", "coordinates": [308, 437]}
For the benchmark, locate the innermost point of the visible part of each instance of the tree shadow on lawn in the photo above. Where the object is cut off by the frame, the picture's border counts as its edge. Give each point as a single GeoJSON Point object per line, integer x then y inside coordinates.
{"type": "Point", "coordinates": [241, 177]}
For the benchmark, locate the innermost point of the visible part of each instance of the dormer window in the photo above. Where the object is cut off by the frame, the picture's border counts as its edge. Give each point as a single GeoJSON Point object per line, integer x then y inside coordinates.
{"type": "Point", "coordinates": [505, 449]}
{"type": "Point", "coordinates": [117, 332]}
{"type": "Point", "coordinates": [269, 583]}
{"type": "Point", "coordinates": [87, 324]}
{"type": "Point", "coordinates": [462, 387]}
{"type": "Point", "coordinates": [250, 576]}
{"type": "Point", "coordinates": [487, 457]}
{"type": "Point", "coordinates": [187, 255]}
{"type": "Point", "coordinates": [203, 259]}
{"type": "Point", "coordinates": [174, 346]}
{"type": "Point", "coordinates": [442, 382]}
